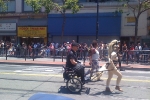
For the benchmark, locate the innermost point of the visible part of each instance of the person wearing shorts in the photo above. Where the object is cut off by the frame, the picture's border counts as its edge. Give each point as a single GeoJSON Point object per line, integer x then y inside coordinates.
{"type": "Point", "coordinates": [94, 58]}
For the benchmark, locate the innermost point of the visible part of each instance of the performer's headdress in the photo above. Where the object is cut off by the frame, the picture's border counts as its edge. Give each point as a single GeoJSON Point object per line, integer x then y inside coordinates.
{"type": "Point", "coordinates": [112, 45]}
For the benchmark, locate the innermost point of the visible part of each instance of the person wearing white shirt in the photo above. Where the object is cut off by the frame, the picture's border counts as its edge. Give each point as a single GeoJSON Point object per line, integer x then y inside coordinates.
{"type": "Point", "coordinates": [138, 48]}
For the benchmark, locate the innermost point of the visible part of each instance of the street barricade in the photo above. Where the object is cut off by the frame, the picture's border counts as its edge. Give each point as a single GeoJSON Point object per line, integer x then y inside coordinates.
{"type": "Point", "coordinates": [128, 56]}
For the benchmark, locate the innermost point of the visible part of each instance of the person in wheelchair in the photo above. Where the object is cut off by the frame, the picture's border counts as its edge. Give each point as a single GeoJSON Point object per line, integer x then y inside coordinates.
{"type": "Point", "coordinates": [73, 63]}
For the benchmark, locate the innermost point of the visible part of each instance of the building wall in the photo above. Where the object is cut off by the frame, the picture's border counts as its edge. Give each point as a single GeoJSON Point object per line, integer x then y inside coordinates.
{"type": "Point", "coordinates": [129, 30]}
{"type": "Point", "coordinates": [126, 30]}
{"type": "Point", "coordinates": [89, 39]}
{"type": "Point", "coordinates": [18, 6]}
{"type": "Point", "coordinates": [32, 22]}
{"type": "Point", "coordinates": [82, 39]}
{"type": "Point", "coordinates": [89, 7]}
{"type": "Point", "coordinates": [85, 24]}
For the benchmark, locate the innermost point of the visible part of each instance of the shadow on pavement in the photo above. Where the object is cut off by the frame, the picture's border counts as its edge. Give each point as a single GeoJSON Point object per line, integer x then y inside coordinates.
{"type": "Point", "coordinates": [106, 93]}
{"type": "Point", "coordinates": [93, 81]}
{"type": "Point", "coordinates": [64, 90]}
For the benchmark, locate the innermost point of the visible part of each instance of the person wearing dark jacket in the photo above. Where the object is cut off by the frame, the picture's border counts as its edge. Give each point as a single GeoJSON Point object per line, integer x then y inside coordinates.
{"type": "Point", "coordinates": [73, 63]}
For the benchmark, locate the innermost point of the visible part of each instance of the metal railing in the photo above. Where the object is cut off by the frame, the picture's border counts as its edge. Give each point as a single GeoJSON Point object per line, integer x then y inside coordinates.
{"type": "Point", "coordinates": [128, 56]}
{"type": "Point", "coordinates": [138, 56]}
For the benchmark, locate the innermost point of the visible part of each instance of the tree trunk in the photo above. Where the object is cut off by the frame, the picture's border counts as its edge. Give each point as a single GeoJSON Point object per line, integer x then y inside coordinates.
{"type": "Point", "coordinates": [136, 30]}
{"type": "Point", "coordinates": [63, 27]}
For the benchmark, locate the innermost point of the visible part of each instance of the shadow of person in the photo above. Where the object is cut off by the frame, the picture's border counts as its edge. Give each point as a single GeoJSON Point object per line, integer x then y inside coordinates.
{"type": "Point", "coordinates": [107, 93]}
{"type": "Point", "coordinates": [64, 90]}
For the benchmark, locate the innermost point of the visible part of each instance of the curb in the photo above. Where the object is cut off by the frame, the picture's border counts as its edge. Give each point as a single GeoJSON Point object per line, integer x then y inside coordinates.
{"type": "Point", "coordinates": [36, 64]}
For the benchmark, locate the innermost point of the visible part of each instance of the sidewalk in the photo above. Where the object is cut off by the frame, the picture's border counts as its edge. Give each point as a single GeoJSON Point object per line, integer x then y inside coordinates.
{"type": "Point", "coordinates": [58, 62]}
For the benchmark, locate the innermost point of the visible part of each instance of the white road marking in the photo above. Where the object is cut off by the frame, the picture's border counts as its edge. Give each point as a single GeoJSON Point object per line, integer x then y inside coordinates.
{"type": "Point", "coordinates": [137, 76]}
{"type": "Point", "coordinates": [142, 72]}
{"type": "Point", "coordinates": [49, 70]}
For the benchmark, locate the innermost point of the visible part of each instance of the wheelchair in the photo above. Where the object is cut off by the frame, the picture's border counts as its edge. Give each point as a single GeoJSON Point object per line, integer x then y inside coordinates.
{"type": "Point", "coordinates": [72, 80]}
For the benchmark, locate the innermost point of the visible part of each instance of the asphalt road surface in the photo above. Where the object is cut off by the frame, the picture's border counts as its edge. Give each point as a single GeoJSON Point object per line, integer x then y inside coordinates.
{"type": "Point", "coordinates": [19, 82]}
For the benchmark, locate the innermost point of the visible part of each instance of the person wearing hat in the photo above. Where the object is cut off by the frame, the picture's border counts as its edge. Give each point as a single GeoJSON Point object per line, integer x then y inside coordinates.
{"type": "Point", "coordinates": [73, 63]}
{"type": "Point", "coordinates": [112, 69]}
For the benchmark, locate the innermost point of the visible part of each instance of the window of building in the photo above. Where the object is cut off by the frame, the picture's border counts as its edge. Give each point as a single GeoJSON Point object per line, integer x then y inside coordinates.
{"type": "Point", "coordinates": [11, 6]}
{"type": "Point", "coordinates": [26, 8]}
{"type": "Point", "coordinates": [130, 21]}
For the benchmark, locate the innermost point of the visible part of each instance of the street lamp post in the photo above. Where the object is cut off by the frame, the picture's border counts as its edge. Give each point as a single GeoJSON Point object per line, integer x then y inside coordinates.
{"type": "Point", "coordinates": [97, 21]}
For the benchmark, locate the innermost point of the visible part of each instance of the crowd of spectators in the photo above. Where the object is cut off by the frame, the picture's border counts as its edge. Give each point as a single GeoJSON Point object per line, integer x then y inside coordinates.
{"type": "Point", "coordinates": [133, 53]}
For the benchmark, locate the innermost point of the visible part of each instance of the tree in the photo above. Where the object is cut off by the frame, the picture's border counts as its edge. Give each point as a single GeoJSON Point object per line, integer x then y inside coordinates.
{"type": "Point", "coordinates": [138, 9]}
{"type": "Point", "coordinates": [49, 5]}
{"type": "Point", "coordinates": [3, 5]}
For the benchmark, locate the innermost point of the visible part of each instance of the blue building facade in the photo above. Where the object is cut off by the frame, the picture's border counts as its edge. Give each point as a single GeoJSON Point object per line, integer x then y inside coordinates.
{"type": "Point", "coordinates": [82, 25]}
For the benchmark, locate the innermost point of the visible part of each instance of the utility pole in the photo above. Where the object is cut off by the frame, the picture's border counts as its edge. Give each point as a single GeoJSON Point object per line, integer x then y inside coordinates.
{"type": "Point", "coordinates": [97, 21]}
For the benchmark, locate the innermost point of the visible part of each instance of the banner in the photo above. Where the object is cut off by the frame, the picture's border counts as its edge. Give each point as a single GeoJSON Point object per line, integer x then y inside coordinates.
{"type": "Point", "coordinates": [32, 32]}
{"type": "Point", "coordinates": [7, 26]}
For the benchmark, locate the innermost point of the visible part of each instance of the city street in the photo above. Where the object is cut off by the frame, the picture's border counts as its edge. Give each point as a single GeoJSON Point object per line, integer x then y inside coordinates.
{"type": "Point", "coordinates": [20, 82]}
{"type": "Point", "coordinates": [39, 37]}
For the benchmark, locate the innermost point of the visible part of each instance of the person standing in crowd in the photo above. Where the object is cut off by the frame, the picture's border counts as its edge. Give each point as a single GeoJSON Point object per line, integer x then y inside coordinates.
{"type": "Point", "coordinates": [119, 55]}
{"type": "Point", "coordinates": [51, 48]}
{"type": "Point", "coordinates": [138, 48]}
{"type": "Point", "coordinates": [105, 51]}
{"type": "Point", "coordinates": [131, 53]}
{"type": "Point", "coordinates": [94, 59]}
{"type": "Point", "coordinates": [124, 50]}
{"type": "Point", "coordinates": [101, 50]}
{"type": "Point", "coordinates": [85, 51]}
{"type": "Point", "coordinates": [113, 59]}
{"type": "Point", "coordinates": [73, 41]}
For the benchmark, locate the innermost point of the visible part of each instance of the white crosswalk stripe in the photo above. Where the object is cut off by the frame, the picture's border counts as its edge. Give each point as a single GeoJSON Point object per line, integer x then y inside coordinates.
{"type": "Point", "coordinates": [40, 69]}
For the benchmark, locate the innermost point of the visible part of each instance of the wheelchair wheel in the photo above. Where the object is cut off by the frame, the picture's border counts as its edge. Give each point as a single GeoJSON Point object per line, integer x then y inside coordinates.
{"type": "Point", "coordinates": [74, 85]}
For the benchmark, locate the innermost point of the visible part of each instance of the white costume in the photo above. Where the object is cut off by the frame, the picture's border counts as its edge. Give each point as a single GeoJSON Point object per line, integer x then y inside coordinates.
{"type": "Point", "coordinates": [113, 59]}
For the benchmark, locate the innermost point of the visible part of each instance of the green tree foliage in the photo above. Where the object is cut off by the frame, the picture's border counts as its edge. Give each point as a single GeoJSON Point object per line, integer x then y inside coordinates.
{"type": "Point", "coordinates": [3, 5]}
{"type": "Point", "coordinates": [50, 5]}
{"type": "Point", "coordinates": [137, 9]}
{"type": "Point", "coordinates": [35, 4]}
